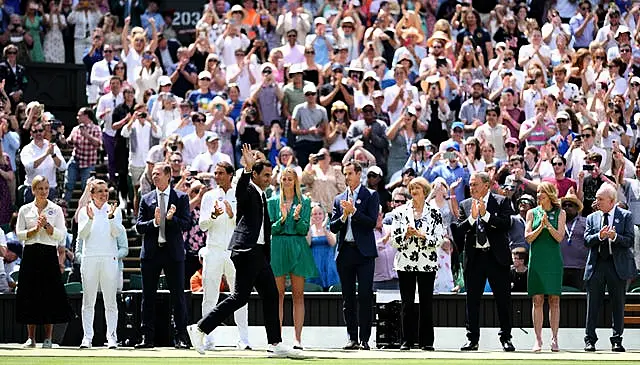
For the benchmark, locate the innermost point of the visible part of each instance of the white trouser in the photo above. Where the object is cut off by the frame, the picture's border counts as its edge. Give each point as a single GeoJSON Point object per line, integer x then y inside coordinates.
{"type": "Point", "coordinates": [217, 262]}
{"type": "Point", "coordinates": [103, 272]}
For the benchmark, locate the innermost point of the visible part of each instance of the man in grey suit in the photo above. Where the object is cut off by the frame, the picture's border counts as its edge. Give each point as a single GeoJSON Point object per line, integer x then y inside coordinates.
{"type": "Point", "coordinates": [609, 237]}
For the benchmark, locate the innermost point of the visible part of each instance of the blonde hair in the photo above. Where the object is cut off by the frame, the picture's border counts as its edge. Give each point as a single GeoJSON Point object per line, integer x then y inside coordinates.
{"type": "Point", "coordinates": [296, 183]}
{"type": "Point", "coordinates": [551, 191]}
{"type": "Point", "coordinates": [423, 183]}
{"type": "Point", "coordinates": [39, 179]}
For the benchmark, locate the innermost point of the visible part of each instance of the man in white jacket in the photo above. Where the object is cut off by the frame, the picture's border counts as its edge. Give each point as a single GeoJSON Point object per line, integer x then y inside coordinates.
{"type": "Point", "coordinates": [218, 219]}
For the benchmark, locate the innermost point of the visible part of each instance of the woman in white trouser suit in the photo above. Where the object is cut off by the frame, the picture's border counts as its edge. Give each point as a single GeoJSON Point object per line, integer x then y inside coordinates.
{"type": "Point", "coordinates": [99, 225]}
{"type": "Point", "coordinates": [217, 218]}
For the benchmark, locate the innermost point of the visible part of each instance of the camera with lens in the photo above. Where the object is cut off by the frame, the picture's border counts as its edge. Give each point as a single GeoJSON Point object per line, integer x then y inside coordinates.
{"type": "Point", "coordinates": [315, 157]}
{"type": "Point", "coordinates": [143, 115]}
{"type": "Point", "coordinates": [173, 147]}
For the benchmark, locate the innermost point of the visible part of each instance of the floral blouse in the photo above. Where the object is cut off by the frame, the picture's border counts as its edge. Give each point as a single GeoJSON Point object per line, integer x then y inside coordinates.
{"type": "Point", "coordinates": [417, 254]}
{"type": "Point", "coordinates": [195, 238]}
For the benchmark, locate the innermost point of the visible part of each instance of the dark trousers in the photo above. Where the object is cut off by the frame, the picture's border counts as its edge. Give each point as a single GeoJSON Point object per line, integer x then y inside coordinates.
{"type": "Point", "coordinates": [304, 148]}
{"type": "Point", "coordinates": [407, 312]}
{"type": "Point", "coordinates": [482, 267]}
{"type": "Point", "coordinates": [353, 266]}
{"type": "Point", "coordinates": [252, 270]}
{"type": "Point", "coordinates": [110, 149]}
{"type": "Point", "coordinates": [605, 274]}
{"type": "Point", "coordinates": [573, 278]}
{"type": "Point", "coordinates": [174, 272]}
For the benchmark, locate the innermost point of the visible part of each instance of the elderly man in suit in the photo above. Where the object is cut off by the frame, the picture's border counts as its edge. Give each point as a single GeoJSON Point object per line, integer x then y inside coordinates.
{"type": "Point", "coordinates": [484, 223]}
{"type": "Point", "coordinates": [250, 247]}
{"type": "Point", "coordinates": [609, 237]}
{"type": "Point", "coordinates": [354, 217]}
{"type": "Point", "coordinates": [163, 217]}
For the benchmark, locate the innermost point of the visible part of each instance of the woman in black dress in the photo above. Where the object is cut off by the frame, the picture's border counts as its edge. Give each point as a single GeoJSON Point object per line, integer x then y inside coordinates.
{"type": "Point", "coordinates": [41, 297]}
{"type": "Point", "coordinates": [312, 70]}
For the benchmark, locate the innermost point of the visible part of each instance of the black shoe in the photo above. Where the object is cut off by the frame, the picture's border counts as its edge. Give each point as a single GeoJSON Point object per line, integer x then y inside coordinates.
{"type": "Point", "coordinates": [590, 347]}
{"type": "Point", "coordinates": [428, 348]}
{"type": "Point", "coordinates": [144, 344]}
{"type": "Point", "coordinates": [364, 345]}
{"type": "Point", "coordinates": [470, 346]}
{"type": "Point", "coordinates": [617, 347]}
{"type": "Point", "coordinates": [507, 346]}
{"type": "Point", "coordinates": [296, 347]}
{"type": "Point", "coordinates": [406, 346]}
{"type": "Point", "coordinates": [351, 345]}
{"type": "Point", "coordinates": [181, 343]}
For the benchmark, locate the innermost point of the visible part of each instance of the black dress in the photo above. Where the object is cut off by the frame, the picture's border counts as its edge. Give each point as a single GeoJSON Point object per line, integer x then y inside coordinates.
{"type": "Point", "coordinates": [41, 297]}
{"type": "Point", "coordinates": [312, 76]}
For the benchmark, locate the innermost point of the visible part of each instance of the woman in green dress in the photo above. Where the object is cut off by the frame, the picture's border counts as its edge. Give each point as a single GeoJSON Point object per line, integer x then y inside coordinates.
{"type": "Point", "coordinates": [544, 231]}
{"type": "Point", "coordinates": [33, 25]}
{"type": "Point", "coordinates": [290, 214]}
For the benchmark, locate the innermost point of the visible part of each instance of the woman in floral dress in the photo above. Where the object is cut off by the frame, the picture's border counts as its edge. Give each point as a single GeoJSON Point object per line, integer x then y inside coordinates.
{"type": "Point", "coordinates": [53, 43]}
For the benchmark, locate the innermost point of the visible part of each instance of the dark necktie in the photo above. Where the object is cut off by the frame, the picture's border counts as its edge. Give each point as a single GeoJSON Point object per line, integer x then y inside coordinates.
{"type": "Point", "coordinates": [109, 67]}
{"type": "Point", "coordinates": [604, 247]}
{"type": "Point", "coordinates": [481, 234]}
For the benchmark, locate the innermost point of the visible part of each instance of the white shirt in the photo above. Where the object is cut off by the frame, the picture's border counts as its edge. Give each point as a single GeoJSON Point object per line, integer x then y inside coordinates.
{"type": "Point", "coordinates": [229, 45]}
{"type": "Point", "coordinates": [611, 213]}
{"type": "Point", "coordinates": [352, 196]}
{"type": "Point", "coordinates": [100, 72]}
{"type": "Point", "coordinates": [263, 200]}
{"type": "Point", "coordinates": [166, 193]}
{"type": "Point", "coordinates": [47, 168]}
{"type": "Point", "coordinates": [410, 92]}
{"type": "Point", "coordinates": [138, 158]}
{"type": "Point", "coordinates": [133, 61]}
{"type": "Point", "coordinates": [495, 80]}
{"type": "Point", "coordinates": [98, 235]}
{"type": "Point", "coordinates": [193, 146]}
{"type": "Point", "coordinates": [569, 91]}
{"type": "Point", "coordinates": [220, 229]}
{"type": "Point", "coordinates": [206, 162]}
{"type": "Point", "coordinates": [293, 54]}
{"type": "Point", "coordinates": [576, 159]}
{"type": "Point", "coordinates": [485, 218]}
{"type": "Point", "coordinates": [109, 102]}
{"type": "Point", "coordinates": [243, 80]}
{"type": "Point", "coordinates": [28, 219]}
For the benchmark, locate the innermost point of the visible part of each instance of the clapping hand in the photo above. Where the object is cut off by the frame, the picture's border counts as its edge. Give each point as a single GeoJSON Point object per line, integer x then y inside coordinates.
{"type": "Point", "coordinates": [156, 216]}
{"type": "Point", "coordinates": [90, 212]}
{"type": "Point", "coordinates": [284, 210]}
{"type": "Point", "coordinates": [42, 221]}
{"type": "Point", "coordinates": [604, 233]}
{"type": "Point", "coordinates": [217, 211]}
{"type": "Point", "coordinates": [475, 211]}
{"type": "Point", "coordinates": [171, 212]}
{"type": "Point", "coordinates": [482, 208]}
{"type": "Point", "coordinates": [112, 210]}
{"type": "Point", "coordinates": [227, 208]}
{"type": "Point", "coordinates": [296, 212]}
{"type": "Point", "coordinates": [347, 207]}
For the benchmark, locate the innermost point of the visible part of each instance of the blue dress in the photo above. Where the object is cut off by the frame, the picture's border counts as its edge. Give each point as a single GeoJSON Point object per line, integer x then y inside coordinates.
{"type": "Point", "coordinates": [324, 256]}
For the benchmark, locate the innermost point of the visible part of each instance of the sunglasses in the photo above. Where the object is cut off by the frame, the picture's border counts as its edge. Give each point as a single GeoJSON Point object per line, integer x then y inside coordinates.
{"type": "Point", "coordinates": [510, 145]}
{"type": "Point", "coordinates": [118, 68]}
{"type": "Point", "coordinates": [37, 130]}
{"type": "Point", "coordinates": [561, 120]}
{"type": "Point", "coordinates": [309, 52]}
{"type": "Point", "coordinates": [372, 176]}
{"type": "Point", "coordinates": [507, 59]}
{"type": "Point", "coordinates": [309, 94]}
{"type": "Point", "coordinates": [176, 161]}
{"type": "Point", "coordinates": [347, 27]}
{"type": "Point", "coordinates": [12, 52]}
{"type": "Point", "coordinates": [400, 201]}
{"type": "Point", "coordinates": [586, 136]}
{"type": "Point", "coordinates": [625, 50]}
{"type": "Point", "coordinates": [267, 71]}
{"type": "Point", "coordinates": [557, 164]}
{"type": "Point", "coordinates": [108, 51]}
{"type": "Point", "coordinates": [292, 36]}
{"type": "Point", "coordinates": [340, 111]}
{"type": "Point", "coordinates": [198, 120]}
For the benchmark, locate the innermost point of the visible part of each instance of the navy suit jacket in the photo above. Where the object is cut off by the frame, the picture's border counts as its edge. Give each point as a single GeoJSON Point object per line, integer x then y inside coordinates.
{"type": "Point", "coordinates": [363, 221]}
{"type": "Point", "coordinates": [497, 229]}
{"type": "Point", "coordinates": [249, 218]}
{"type": "Point", "coordinates": [620, 248]}
{"type": "Point", "coordinates": [174, 229]}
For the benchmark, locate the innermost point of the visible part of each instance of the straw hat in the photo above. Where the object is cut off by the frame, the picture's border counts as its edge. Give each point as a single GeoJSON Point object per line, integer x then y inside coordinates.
{"type": "Point", "coordinates": [339, 105]}
{"type": "Point", "coordinates": [413, 31]}
{"type": "Point", "coordinates": [573, 198]}
{"type": "Point", "coordinates": [438, 35]}
{"type": "Point", "coordinates": [237, 9]}
{"type": "Point", "coordinates": [219, 101]}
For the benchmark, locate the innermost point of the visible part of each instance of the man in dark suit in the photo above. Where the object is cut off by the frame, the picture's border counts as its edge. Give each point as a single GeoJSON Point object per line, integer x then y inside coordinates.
{"type": "Point", "coordinates": [164, 215]}
{"type": "Point", "coordinates": [355, 212]}
{"type": "Point", "coordinates": [250, 247]}
{"type": "Point", "coordinates": [484, 223]}
{"type": "Point", "coordinates": [167, 53]}
{"type": "Point", "coordinates": [610, 263]}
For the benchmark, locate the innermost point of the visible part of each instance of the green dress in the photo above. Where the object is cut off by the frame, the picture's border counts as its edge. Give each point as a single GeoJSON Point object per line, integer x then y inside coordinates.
{"type": "Point", "coordinates": [545, 258]}
{"type": "Point", "coordinates": [33, 27]}
{"type": "Point", "coordinates": [290, 251]}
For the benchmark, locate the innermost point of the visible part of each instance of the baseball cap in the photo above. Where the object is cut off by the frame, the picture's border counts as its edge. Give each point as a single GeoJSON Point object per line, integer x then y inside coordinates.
{"type": "Point", "coordinates": [164, 81]}
{"type": "Point", "coordinates": [267, 65]}
{"type": "Point", "coordinates": [320, 20]}
{"type": "Point", "coordinates": [563, 115]}
{"type": "Point", "coordinates": [376, 170]}
{"type": "Point", "coordinates": [295, 69]}
{"type": "Point", "coordinates": [528, 199]}
{"type": "Point", "coordinates": [366, 104]}
{"type": "Point", "coordinates": [457, 125]}
{"type": "Point", "coordinates": [377, 94]}
{"type": "Point", "coordinates": [622, 29]}
{"type": "Point", "coordinates": [452, 144]}
{"type": "Point", "coordinates": [336, 67]}
{"type": "Point", "coordinates": [348, 20]}
{"type": "Point", "coordinates": [412, 110]}
{"type": "Point", "coordinates": [309, 88]}
{"type": "Point", "coordinates": [213, 136]}
{"type": "Point", "coordinates": [635, 79]}
{"type": "Point", "coordinates": [477, 82]}
{"type": "Point", "coordinates": [204, 75]}
{"type": "Point", "coordinates": [512, 140]}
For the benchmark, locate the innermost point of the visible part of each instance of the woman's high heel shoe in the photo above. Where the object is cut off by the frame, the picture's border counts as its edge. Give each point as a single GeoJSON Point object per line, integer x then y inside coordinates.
{"type": "Point", "coordinates": [554, 345]}
{"type": "Point", "coordinates": [537, 347]}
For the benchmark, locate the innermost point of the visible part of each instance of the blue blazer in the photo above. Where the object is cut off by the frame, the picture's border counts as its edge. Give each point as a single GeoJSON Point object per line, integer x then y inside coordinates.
{"type": "Point", "coordinates": [363, 221]}
{"type": "Point", "coordinates": [621, 248]}
{"type": "Point", "coordinates": [175, 227]}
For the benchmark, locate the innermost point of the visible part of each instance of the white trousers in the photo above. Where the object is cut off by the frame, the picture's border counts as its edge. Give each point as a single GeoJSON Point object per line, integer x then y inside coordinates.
{"type": "Point", "coordinates": [217, 262]}
{"type": "Point", "coordinates": [102, 272]}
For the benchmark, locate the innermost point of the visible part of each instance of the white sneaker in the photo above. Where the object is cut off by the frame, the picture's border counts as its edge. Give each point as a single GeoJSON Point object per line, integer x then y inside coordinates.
{"type": "Point", "coordinates": [197, 338]}
{"type": "Point", "coordinates": [112, 343]}
{"type": "Point", "coordinates": [209, 345]}
{"type": "Point", "coordinates": [47, 344]}
{"type": "Point", "coordinates": [85, 344]}
{"type": "Point", "coordinates": [281, 350]}
{"type": "Point", "coordinates": [243, 346]}
{"type": "Point", "coordinates": [30, 344]}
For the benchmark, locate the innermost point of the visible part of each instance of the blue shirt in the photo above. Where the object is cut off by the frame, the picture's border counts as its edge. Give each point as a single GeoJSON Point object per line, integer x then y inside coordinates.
{"type": "Point", "coordinates": [322, 52]}
{"type": "Point", "coordinates": [200, 99]}
{"type": "Point", "coordinates": [563, 142]}
{"type": "Point", "coordinates": [273, 152]}
{"type": "Point", "coordinates": [10, 145]}
{"type": "Point", "coordinates": [89, 61]}
{"type": "Point", "coordinates": [144, 20]}
{"type": "Point", "coordinates": [450, 175]}
{"type": "Point", "coordinates": [587, 36]}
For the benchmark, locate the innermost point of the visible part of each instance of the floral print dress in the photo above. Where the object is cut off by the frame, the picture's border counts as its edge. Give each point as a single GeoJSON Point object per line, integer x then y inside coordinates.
{"type": "Point", "coordinates": [195, 238]}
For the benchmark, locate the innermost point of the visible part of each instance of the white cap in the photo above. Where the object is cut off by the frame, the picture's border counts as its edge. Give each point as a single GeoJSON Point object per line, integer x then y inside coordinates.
{"type": "Point", "coordinates": [295, 68]}
{"type": "Point", "coordinates": [309, 88]}
{"type": "Point", "coordinates": [164, 81]}
{"type": "Point", "coordinates": [563, 115]}
{"type": "Point", "coordinates": [371, 74]}
{"type": "Point", "coordinates": [204, 75]}
{"type": "Point", "coordinates": [635, 79]}
{"type": "Point", "coordinates": [376, 170]}
{"type": "Point", "coordinates": [320, 20]}
{"type": "Point", "coordinates": [268, 65]}
{"type": "Point", "coordinates": [348, 20]}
